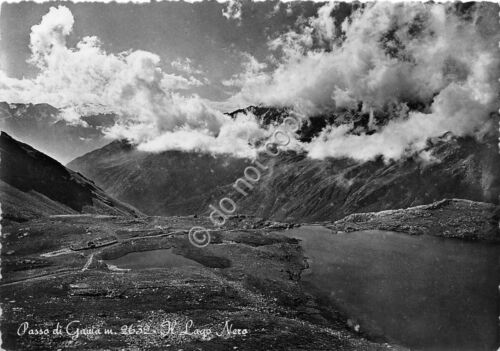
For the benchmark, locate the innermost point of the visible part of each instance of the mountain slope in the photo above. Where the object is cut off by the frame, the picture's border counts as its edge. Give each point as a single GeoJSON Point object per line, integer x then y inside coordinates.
{"type": "Point", "coordinates": [317, 190]}
{"type": "Point", "coordinates": [167, 183]}
{"type": "Point", "coordinates": [40, 126]}
{"type": "Point", "coordinates": [295, 187]}
{"type": "Point", "coordinates": [33, 184]}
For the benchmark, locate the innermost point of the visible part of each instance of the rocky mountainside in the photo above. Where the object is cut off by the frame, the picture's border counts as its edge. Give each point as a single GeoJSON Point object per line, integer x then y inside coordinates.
{"type": "Point", "coordinates": [312, 127]}
{"type": "Point", "coordinates": [40, 126]}
{"type": "Point", "coordinates": [33, 184]}
{"type": "Point", "coordinates": [168, 183]}
{"type": "Point", "coordinates": [295, 187]}
{"type": "Point", "coordinates": [477, 220]}
{"type": "Point", "coordinates": [298, 188]}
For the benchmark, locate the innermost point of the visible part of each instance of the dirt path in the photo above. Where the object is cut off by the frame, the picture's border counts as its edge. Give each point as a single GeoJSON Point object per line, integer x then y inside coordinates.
{"type": "Point", "coordinates": [59, 273]}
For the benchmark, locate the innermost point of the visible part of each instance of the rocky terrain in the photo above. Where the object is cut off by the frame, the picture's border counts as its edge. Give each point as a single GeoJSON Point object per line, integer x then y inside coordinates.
{"type": "Point", "coordinates": [71, 252]}
{"type": "Point", "coordinates": [376, 229]}
{"type": "Point", "coordinates": [449, 218]}
{"type": "Point", "coordinates": [250, 278]}
{"type": "Point", "coordinates": [62, 235]}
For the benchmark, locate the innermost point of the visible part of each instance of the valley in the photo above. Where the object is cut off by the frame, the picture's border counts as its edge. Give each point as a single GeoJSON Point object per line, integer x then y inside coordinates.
{"type": "Point", "coordinates": [95, 272]}
{"type": "Point", "coordinates": [250, 278]}
{"type": "Point", "coordinates": [249, 175]}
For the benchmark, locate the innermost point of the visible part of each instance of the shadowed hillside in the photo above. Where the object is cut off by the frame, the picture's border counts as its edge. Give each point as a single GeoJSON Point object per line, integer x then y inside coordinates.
{"type": "Point", "coordinates": [33, 184]}
{"type": "Point", "coordinates": [40, 126]}
{"type": "Point", "coordinates": [167, 183]}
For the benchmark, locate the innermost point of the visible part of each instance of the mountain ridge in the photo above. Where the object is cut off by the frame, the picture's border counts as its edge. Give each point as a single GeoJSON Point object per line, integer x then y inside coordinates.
{"type": "Point", "coordinates": [31, 177]}
{"type": "Point", "coordinates": [297, 188]}
{"type": "Point", "coordinates": [41, 126]}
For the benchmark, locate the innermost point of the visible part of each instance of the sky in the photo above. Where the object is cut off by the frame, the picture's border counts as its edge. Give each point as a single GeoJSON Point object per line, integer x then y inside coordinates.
{"type": "Point", "coordinates": [169, 70]}
{"type": "Point", "coordinates": [176, 31]}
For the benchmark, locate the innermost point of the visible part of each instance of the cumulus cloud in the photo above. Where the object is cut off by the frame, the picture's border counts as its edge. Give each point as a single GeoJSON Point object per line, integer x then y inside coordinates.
{"type": "Point", "coordinates": [185, 65]}
{"type": "Point", "coordinates": [87, 80]}
{"type": "Point", "coordinates": [233, 10]}
{"type": "Point", "coordinates": [252, 72]}
{"type": "Point", "coordinates": [438, 68]}
{"type": "Point", "coordinates": [417, 70]}
{"type": "Point", "coordinates": [235, 134]}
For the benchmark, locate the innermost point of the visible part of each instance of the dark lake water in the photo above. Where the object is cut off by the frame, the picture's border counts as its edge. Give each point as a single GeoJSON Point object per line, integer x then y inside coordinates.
{"type": "Point", "coordinates": [163, 258]}
{"type": "Point", "coordinates": [422, 292]}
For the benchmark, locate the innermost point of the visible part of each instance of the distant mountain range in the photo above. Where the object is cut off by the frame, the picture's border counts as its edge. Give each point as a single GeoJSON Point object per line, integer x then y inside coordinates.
{"type": "Point", "coordinates": [40, 126]}
{"type": "Point", "coordinates": [33, 184]}
{"type": "Point", "coordinates": [295, 188]}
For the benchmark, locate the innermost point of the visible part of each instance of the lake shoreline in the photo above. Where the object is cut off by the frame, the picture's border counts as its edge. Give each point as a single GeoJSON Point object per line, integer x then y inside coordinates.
{"type": "Point", "coordinates": [397, 271]}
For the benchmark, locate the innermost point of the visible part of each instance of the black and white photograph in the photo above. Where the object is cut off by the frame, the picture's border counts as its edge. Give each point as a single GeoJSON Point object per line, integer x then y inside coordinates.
{"type": "Point", "coordinates": [245, 175]}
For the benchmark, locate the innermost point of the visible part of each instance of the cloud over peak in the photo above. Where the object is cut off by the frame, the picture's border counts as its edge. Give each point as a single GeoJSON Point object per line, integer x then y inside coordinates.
{"type": "Point", "coordinates": [416, 70]}
{"type": "Point", "coordinates": [87, 80]}
{"type": "Point", "coordinates": [438, 67]}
